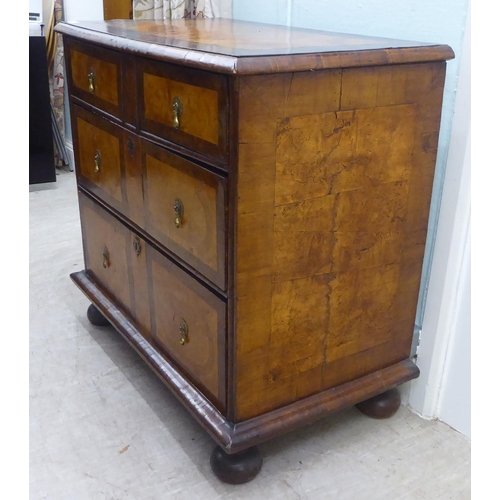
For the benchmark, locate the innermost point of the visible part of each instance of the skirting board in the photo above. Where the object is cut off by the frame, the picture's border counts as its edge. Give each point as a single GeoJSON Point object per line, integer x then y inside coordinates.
{"type": "Point", "coordinates": [71, 155]}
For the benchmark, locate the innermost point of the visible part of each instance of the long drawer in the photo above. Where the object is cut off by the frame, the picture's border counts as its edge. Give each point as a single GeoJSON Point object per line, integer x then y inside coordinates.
{"type": "Point", "coordinates": [185, 210]}
{"type": "Point", "coordinates": [179, 203]}
{"type": "Point", "coordinates": [184, 108]}
{"type": "Point", "coordinates": [182, 318]}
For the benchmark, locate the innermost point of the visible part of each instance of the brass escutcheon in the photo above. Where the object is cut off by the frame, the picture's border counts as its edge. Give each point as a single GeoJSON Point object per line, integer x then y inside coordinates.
{"type": "Point", "coordinates": [91, 76]}
{"type": "Point", "coordinates": [183, 329]}
{"type": "Point", "coordinates": [97, 161]}
{"type": "Point", "coordinates": [137, 245]}
{"type": "Point", "coordinates": [105, 258]}
{"type": "Point", "coordinates": [177, 107]}
{"type": "Point", "coordinates": [179, 212]}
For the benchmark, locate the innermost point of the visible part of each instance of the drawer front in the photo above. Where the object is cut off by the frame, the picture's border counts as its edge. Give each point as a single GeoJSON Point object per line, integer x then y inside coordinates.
{"type": "Point", "coordinates": [106, 245]}
{"type": "Point", "coordinates": [172, 310]}
{"type": "Point", "coordinates": [184, 106]}
{"type": "Point", "coordinates": [95, 75]}
{"type": "Point", "coordinates": [185, 210]}
{"type": "Point", "coordinates": [99, 161]}
{"type": "Point", "coordinates": [107, 160]}
{"type": "Point", "coordinates": [188, 325]}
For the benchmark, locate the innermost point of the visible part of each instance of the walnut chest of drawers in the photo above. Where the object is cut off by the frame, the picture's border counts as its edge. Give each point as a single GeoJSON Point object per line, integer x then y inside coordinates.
{"type": "Point", "coordinates": [254, 203]}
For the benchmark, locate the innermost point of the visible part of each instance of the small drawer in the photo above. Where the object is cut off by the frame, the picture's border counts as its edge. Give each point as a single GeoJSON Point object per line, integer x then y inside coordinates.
{"type": "Point", "coordinates": [184, 106]}
{"type": "Point", "coordinates": [105, 248]}
{"type": "Point", "coordinates": [188, 325]}
{"type": "Point", "coordinates": [107, 160]}
{"type": "Point", "coordinates": [98, 147]}
{"type": "Point", "coordinates": [185, 210]}
{"type": "Point", "coordinates": [95, 75]}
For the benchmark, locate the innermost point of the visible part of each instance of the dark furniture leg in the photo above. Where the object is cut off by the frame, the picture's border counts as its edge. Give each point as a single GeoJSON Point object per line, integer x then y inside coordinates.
{"type": "Point", "coordinates": [237, 468]}
{"type": "Point", "coordinates": [95, 316]}
{"type": "Point", "coordinates": [384, 405]}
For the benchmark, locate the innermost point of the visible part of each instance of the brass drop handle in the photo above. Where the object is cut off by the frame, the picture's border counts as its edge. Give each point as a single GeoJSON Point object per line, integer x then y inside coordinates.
{"type": "Point", "coordinates": [183, 330]}
{"type": "Point", "coordinates": [137, 246]}
{"type": "Point", "coordinates": [177, 107]}
{"type": "Point", "coordinates": [91, 76]}
{"type": "Point", "coordinates": [179, 212]}
{"type": "Point", "coordinates": [97, 161]}
{"type": "Point", "coordinates": [105, 258]}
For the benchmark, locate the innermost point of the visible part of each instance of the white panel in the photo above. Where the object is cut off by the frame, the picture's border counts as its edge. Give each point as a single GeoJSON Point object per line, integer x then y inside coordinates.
{"type": "Point", "coordinates": [89, 10]}
{"type": "Point", "coordinates": [440, 318]}
{"type": "Point", "coordinates": [36, 6]}
{"type": "Point", "coordinates": [262, 11]}
{"type": "Point", "coordinates": [455, 397]}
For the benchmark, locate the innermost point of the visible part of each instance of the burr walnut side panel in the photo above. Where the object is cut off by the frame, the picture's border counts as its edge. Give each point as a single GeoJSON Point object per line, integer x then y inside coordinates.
{"type": "Point", "coordinates": [334, 188]}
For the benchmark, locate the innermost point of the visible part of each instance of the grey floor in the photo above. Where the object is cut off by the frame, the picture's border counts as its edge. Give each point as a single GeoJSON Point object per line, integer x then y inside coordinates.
{"type": "Point", "coordinates": [103, 427]}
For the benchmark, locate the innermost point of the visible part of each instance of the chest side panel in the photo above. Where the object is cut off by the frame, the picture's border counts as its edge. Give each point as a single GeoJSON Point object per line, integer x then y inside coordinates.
{"type": "Point", "coordinates": [334, 185]}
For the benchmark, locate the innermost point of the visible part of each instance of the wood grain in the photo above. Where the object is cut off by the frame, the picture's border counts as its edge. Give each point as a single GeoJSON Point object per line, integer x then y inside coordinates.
{"type": "Point", "coordinates": [199, 114]}
{"type": "Point", "coordinates": [304, 161]}
{"type": "Point", "coordinates": [175, 297]}
{"type": "Point", "coordinates": [137, 265]}
{"type": "Point", "coordinates": [203, 122]}
{"type": "Point", "coordinates": [92, 135]}
{"type": "Point", "coordinates": [117, 9]}
{"type": "Point", "coordinates": [133, 175]}
{"type": "Point", "coordinates": [238, 47]}
{"type": "Point", "coordinates": [103, 234]}
{"type": "Point", "coordinates": [232, 437]}
{"type": "Point", "coordinates": [324, 265]}
{"type": "Point", "coordinates": [119, 181]}
{"type": "Point", "coordinates": [200, 240]}
{"type": "Point", "coordinates": [81, 59]}
{"type": "Point", "coordinates": [128, 88]}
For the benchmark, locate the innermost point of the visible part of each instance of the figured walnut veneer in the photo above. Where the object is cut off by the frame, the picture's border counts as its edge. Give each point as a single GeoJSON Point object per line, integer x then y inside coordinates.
{"type": "Point", "coordinates": [305, 178]}
{"type": "Point", "coordinates": [330, 254]}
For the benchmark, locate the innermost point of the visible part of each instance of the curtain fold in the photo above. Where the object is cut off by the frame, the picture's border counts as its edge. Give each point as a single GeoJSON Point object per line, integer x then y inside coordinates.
{"type": "Point", "coordinates": [55, 62]}
{"type": "Point", "coordinates": [178, 9]}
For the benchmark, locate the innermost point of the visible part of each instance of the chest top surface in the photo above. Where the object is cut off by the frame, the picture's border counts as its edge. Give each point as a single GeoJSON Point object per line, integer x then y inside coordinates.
{"type": "Point", "coordinates": [233, 46]}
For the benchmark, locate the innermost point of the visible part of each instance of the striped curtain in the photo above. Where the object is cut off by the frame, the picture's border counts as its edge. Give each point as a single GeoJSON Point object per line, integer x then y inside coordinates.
{"type": "Point", "coordinates": [55, 60]}
{"type": "Point", "coordinates": [175, 9]}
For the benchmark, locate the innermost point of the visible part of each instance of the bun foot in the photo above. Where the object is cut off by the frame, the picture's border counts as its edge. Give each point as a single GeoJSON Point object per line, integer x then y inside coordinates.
{"type": "Point", "coordinates": [384, 405]}
{"type": "Point", "coordinates": [96, 317]}
{"type": "Point", "coordinates": [238, 468]}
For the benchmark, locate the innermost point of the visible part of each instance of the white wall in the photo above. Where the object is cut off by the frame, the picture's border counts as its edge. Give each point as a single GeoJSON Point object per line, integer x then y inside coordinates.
{"type": "Point", "coordinates": [88, 10]}
{"type": "Point", "coordinates": [75, 10]}
{"type": "Point", "coordinates": [443, 389]}
{"type": "Point", "coordinates": [454, 403]}
{"type": "Point", "coordinates": [47, 6]}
